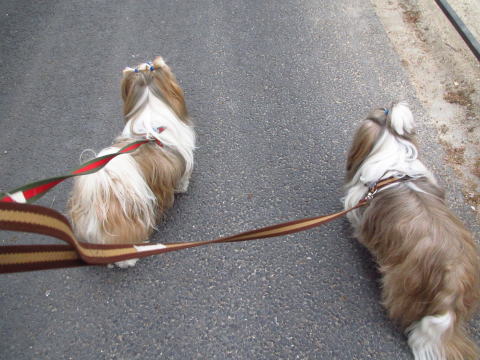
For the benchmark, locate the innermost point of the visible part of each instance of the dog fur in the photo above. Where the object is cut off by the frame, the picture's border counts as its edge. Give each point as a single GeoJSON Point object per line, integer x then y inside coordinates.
{"type": "Point", "coordinates": [428, 260]}
{"type": "Point", "coordinates": [121, 203]}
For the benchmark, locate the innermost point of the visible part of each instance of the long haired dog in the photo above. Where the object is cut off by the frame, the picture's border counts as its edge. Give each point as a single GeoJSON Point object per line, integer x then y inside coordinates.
{"type": "Point", "coordinates": [121, 203]}
{"type": "Point", "coordinates": [428, 260]}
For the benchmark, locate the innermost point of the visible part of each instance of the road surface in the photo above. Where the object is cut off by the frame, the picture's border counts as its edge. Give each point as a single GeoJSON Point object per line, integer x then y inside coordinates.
{"type": "Point", "coordinates": [275, 90]}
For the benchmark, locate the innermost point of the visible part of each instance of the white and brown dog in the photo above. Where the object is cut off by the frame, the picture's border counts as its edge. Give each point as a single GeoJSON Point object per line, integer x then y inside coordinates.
{"type": "Point", "coordinates": [428, 260]}
{"type": "Point", "coordinates": [121, 203]}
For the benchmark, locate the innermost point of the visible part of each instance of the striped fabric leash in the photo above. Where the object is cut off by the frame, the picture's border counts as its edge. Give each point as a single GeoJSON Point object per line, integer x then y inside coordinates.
{"type": "Point", "coordinates": [35, 190]}
{"type": "Point", "coordinates": [45, 221]}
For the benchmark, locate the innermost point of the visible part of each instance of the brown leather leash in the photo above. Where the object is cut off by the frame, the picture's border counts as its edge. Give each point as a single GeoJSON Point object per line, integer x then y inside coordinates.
{"type": "Point", "coordinates": [45, 221]}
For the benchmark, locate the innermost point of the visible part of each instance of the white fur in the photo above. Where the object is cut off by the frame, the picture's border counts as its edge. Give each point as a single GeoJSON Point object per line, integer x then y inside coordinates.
{"type": "Point", "coordinates": [425, 336]}
{"type": "Point", "coordinates": [122, 178]}
{"type": "Point", "coordinates": [390, 156]}
{"type": "Point", "coordinates": [155, 114]}
{"type": "Point", "coordinates": [125, 264]}
{"type": "Point", "coordinates": [140, 248]}
{"type": "Point", "coordinates": [402, 119]}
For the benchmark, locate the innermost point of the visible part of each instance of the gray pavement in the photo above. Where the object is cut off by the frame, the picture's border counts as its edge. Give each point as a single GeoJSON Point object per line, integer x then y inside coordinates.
{"type": "Point", "coordinates": [275, 90]}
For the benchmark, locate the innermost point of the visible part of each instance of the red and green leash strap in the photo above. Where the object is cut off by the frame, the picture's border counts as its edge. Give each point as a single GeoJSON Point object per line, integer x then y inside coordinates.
{"type": "Point", "coordinates": [35, 190]}
{"type": "Point", "coordinates": [45, 221]}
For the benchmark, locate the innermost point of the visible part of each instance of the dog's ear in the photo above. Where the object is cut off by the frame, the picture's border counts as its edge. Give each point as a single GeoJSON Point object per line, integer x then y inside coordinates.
{"type": "Point", "coordinates": [132, 89]}
{"type": "Point", "coordinates": [159, 63]}
{"type": "Point", "coordinates": [363, 142]}
{"type": "Point", "coordinates": [127, 71]}
{"type": "Point", "coordinates": [166, 82]}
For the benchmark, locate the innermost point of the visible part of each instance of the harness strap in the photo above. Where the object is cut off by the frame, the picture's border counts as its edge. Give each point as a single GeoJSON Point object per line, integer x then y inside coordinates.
{"type": "Point", "coordinates": [45, 221]}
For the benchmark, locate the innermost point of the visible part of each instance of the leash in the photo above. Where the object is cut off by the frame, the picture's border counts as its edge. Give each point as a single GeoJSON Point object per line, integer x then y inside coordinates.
{"type": "Point", "coordinates": [45, 221]}
{"type": "Point", "coordinates": [34, 191]}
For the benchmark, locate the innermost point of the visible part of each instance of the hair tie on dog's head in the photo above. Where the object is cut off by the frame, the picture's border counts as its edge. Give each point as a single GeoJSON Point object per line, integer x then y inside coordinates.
{"type": "Point", "coordinates": [385, 111]}
{"type": "Point", "coordinates": [151, 65]}
{"type": "Point", "coordinates": [136, 70]}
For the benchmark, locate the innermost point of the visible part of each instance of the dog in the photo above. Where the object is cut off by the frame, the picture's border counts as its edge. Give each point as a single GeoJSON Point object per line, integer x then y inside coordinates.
{"type": "Point", "coordinates": [428, 260]}
{"type": "Point", "coordinates": [121, 203]}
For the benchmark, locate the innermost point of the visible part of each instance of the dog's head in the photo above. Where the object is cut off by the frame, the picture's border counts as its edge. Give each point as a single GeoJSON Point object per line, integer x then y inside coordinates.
{"type": "Point", "coordinates": [157, 79]}
{"type": "Point", "coordinates": [396, 120]}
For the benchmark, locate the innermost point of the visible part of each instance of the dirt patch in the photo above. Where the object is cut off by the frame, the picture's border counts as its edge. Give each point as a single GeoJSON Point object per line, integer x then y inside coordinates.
{"type": "Point", "coordinates": [454, 155]}
{"type": "Point", "coordinates": [461, 97]}
{"type": "Point", "coordinates": [446, 77]}
{"type": "Point", "coordinates": [476, 170]}
{"type": "Point", "coordinates": [411, 16]}
{"type": "Point", "coordinates": [473, 197]}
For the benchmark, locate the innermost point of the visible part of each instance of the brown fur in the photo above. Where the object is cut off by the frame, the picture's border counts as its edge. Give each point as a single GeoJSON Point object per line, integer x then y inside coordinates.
{"type": "Point", "coordinates": [162, 168]}
{"type": "Point", "coordinates": [117, 226]}
{"type": "Point", "coordinates": [362, 145]}
{"type": "Point", "coordinates": [161, 82]}
{"type": "Point", "coordinates": [121, 229]}
{"type": "Point", "coordinates": [428, 259]}
{"type": "Point", "coordinates": [162, 171]}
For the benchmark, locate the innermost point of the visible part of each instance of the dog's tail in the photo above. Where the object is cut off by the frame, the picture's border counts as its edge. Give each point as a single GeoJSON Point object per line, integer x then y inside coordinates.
{"type": "Point", "coordinates": [441, 337]}
{"type": "Point", "coordinates": [400, 119]}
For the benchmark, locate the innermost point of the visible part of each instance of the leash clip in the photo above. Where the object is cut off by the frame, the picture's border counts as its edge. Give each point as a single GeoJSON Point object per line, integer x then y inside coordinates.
{"type": "Point", "coordinates": [372, 190]}
{"type": "Point", "coordinates": [374, 186]}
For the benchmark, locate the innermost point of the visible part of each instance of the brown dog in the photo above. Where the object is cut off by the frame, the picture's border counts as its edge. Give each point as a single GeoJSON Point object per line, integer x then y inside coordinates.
{"type": "Point", "coordinates": [121, 203]}
{"type": "Point", "coordinates": [428, 260]}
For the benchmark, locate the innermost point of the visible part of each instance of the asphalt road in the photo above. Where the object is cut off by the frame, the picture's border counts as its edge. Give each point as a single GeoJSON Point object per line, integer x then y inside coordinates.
{"type": "Point", "coordinates": [275, 90]}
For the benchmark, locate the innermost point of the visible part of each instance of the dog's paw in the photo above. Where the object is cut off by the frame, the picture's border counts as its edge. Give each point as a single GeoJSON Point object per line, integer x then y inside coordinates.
{"type": "Point", "coordinates": [182, 187]}
{"type": "Point", "coordinates": [125, 264]}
